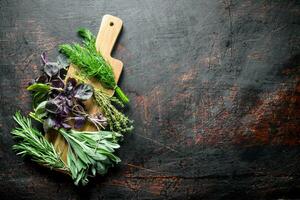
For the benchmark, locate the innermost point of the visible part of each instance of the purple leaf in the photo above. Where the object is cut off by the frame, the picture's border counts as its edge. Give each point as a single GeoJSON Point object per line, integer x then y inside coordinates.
{"type": "Point", "coordinates": [70, 84]}
{"type": "Point", "coordinates": [62, 61]}
{"type": "Point", "coordinates": [57, 83]}
{"type": "Point", "coordinates": [64, 111]}
{"type": "Point", "coordinates": [79, 122]}
{"type": "Point", "coordinates": [42, 79]}
{"type": "Point", "coordinates": [52, 106]}
{"type": "Point", "coordinates": [63, 73]}
{"type": "Point", "coordinates": [51, 68]}
{"type": "Point", "coordinates": [83, 92]}
{"type": "Point", "coordinates": [69, 102]}
{"type": "Point", "coordinates": [65, 126]}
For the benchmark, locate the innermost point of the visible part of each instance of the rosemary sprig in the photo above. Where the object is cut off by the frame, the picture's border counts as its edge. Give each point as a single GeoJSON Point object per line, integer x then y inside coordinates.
{"type": "Point", "coordinates": [89, 152]}
{"type": "Point", "coordinates": [92, 62]}
{"type": "Point", "coordinates": [32, 143]}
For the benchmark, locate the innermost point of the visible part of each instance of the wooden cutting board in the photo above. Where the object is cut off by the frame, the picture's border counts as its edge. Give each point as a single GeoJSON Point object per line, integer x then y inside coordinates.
{"type": "Point", "coordinates": [108, 33]}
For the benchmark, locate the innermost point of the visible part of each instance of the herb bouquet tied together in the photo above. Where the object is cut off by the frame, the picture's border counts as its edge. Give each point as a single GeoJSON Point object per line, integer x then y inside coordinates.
{"type": "Point", "coordinates": [60, 105]}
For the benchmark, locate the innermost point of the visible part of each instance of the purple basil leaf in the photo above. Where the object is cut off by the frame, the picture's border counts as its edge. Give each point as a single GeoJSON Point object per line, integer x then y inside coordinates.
{"type": "Point", "coordinates": [62, 61]}
{"type": "Point", "coordinates": [51, 68]}
{"type": "Point", "coordinates": [57, 83]}
{"type": "Point", "coordinates": [83, 92]}
{"type": "Point", "coordinates": [52, 107]}
{"type": "Point", "coordinates": [66, 126]}
{"type": "Point", "coordinates": [70, 84]}
{"type": "Point", "coordinates": [63, 73]}
{"type": "Point", "coordinates": [48, 124]}
{"type": "Point", "coordinates": [64, 111]}
{"type": "Point", "coordinates": [54, 94]}
{"type": "Point", "coordinates": [69, 102]}
{"type": "Point", "coordinates": [79, 122]}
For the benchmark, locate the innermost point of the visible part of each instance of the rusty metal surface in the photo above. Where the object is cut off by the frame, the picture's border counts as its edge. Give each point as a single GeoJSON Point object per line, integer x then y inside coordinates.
{"type": "Point", "coordinates": [214, 89]}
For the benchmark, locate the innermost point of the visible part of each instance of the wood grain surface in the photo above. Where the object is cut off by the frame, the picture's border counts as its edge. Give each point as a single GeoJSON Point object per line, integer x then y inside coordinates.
{"type": "Point", "coordinates": [214, 89]}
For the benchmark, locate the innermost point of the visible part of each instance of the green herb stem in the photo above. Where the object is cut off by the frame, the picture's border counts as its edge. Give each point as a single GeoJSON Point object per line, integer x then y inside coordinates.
{"type": "Point", "coordinates": [117, 121]}
{"type": "Point", "coordinates": [32, 143]}
{"type": "Point", "coordinates": [121, 95]}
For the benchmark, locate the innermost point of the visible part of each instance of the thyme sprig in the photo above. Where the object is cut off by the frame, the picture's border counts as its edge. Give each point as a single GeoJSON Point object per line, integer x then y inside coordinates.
{"type": "Point", "coordinates": [117, 121]}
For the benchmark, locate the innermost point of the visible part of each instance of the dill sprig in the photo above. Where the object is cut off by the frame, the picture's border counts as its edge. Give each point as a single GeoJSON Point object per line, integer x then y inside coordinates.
{"type": "Point", "coordinates": [91, 62]}
{"type": "Point", "coordinates": [32, 143]}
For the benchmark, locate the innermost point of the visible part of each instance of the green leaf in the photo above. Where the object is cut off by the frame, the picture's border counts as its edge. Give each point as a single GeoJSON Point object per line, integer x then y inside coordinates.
{"type": "Point", "coordinates": [40, 110]}
{"type": "Point", "coordinates": [39, 87]}
{"type": "Point", "coordinates": [89, 153]}
{"type": "Point", "coordinates": [40, 92]}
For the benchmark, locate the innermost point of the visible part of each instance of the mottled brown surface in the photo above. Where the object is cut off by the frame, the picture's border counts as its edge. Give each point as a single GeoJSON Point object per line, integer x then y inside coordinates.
{"type": "Point", "coordinates": [214, 89]}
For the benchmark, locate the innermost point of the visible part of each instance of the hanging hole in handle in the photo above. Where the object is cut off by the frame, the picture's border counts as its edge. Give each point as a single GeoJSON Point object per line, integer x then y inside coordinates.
{"type": "Point", "coordinates": [111, 23]}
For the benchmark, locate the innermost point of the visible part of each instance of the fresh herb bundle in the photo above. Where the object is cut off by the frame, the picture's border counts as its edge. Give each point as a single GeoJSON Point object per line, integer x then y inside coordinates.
{"type": "Point", "coordinates": [59, 105]}
{"type": "Point", "coordinates": [60, 102]}
{"type": "Point", "coordinates": [90, 153]}
{"type": "Point", "coordinates": [92, 62]}
{"type": "Point", "coordinates": [117, 121]}
{"type": "Point", "coordinates": [32, 143]}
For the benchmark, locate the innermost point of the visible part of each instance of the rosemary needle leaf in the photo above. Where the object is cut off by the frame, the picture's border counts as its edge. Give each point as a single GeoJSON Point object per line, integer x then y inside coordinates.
{"type": "Point", "coordinates": [32, 143]}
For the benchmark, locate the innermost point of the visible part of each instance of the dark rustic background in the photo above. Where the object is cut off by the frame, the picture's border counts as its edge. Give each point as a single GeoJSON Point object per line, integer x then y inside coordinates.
{"type": "Point", "coordinates": [214, 89]}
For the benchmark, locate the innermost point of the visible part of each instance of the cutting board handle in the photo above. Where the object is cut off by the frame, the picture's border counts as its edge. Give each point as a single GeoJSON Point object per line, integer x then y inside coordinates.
{"type": "Point", "coordinates": [108, 33]}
